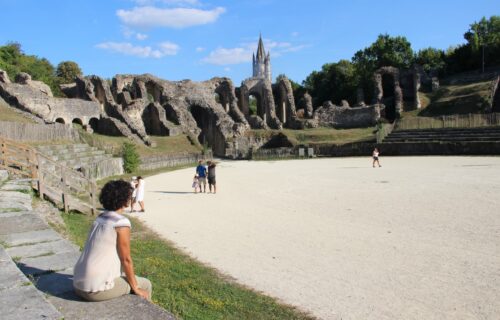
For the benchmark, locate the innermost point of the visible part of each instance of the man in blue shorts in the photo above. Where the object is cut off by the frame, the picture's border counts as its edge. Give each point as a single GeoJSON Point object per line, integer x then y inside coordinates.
{"type": "Point", "coordinates": [201, 171]}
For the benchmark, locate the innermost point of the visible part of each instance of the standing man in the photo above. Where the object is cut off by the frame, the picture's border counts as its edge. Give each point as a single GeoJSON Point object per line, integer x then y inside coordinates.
{"type": "Point", "coordinates": [201, 171]}
{"type": "Point", "coordinates": [211, 176]}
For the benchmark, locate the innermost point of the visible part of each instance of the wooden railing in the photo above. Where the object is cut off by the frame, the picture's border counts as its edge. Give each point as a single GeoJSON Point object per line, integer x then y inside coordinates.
{"type": "Point", "coordinates": [471, 120]}
{"type": "Point", "coordinates": [63, 185]}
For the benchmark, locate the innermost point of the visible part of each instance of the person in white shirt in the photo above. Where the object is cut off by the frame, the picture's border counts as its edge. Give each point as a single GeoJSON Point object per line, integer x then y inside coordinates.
{"type": "Point", "coordinates": [98, 272]}
{"type": "Point", "coordinates": [375, 157]}
{"type": "Point", "coordinates": [140, 192]}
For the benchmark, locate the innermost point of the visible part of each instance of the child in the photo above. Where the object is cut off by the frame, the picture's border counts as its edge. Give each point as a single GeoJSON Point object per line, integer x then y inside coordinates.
{"type": "Point", "coordinates": [196, 184]}
{"type": "Point", "coordinates": [375, 157]}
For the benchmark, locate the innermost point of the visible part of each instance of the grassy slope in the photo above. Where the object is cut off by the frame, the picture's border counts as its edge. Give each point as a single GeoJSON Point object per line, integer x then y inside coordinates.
{"type": "Point", "coordinates": [184, 286]}
{"type": "Point", "coordinates": [454, 99]}
{"type": "Point", "coordinates": [165, 145]}
{"type": "Point", "coordinates": [8, 114]}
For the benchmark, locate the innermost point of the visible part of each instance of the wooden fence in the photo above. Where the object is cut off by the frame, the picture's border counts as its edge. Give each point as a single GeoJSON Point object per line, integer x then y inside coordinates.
{"type": "Point", "coordinates": [471, 120]}
{"type": "Point", "coordinates": [64, 186]}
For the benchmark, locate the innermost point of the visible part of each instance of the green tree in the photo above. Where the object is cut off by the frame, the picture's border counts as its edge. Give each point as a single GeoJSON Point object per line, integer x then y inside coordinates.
{"type": "Point", "coordinates": [335, 82]}
{"type": "Point", "coordinates": [431, 59]}
{"type": "Point", "coordinates": [67, 71]}
{"type": "Point", "coordinates": [131, 159]}
{"type": "Point", "coordinates": [484, 34]}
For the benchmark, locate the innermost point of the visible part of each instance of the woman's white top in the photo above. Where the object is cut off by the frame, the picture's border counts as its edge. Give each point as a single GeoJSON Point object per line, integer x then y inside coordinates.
{"type": "Point", "coordinates": [140, 190]}
{"type": "Point", "coordinates": [99, 264]}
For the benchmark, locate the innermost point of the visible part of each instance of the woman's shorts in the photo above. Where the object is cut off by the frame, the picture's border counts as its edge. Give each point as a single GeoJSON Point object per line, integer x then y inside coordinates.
{"type": "Point", "coordinates": [211, 180]}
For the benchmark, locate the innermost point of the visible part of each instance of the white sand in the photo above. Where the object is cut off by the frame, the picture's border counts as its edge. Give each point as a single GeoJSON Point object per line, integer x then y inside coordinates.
{"type": "Point", "coordinates": [418, 238]}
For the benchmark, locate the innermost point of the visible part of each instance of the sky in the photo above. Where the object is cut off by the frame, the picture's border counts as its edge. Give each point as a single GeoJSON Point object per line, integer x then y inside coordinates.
{"type": "Point", "coordinates": [201, 39]}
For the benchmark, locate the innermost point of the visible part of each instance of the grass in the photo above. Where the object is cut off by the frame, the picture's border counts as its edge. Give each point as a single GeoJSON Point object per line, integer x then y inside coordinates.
{"type": "Point", "coordinates": [184, 286]}
{"type": "Point", "coordinates": [8, 114]}
{"type": "Point", "coordinates": [320, 135]}
{"type": "Point", "coordinates": [164, 145]}
{"type": "Point", "coordinates": [9, 210]}
{"type": "Point", "coordinates": [454, 99]}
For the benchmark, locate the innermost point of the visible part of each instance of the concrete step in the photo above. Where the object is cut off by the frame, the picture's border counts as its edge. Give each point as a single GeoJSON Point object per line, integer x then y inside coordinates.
{"type": "Point", "coordinates": [437, 138]}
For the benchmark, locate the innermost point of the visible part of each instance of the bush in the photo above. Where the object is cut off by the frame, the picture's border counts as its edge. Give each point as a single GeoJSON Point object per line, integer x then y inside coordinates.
{"type": "Point", "coordinates": [131, 159]}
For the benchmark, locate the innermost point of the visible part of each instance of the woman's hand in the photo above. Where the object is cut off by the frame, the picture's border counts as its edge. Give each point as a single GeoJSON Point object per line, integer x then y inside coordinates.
{"type": "Point", "coordinates": [142, 293]}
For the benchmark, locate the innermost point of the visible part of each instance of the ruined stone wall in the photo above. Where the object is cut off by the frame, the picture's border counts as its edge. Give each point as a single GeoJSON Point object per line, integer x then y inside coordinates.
{"type": "Point", "coordinates": [30, 132]}
{"type": "Point", "coordinates": [330, 115]}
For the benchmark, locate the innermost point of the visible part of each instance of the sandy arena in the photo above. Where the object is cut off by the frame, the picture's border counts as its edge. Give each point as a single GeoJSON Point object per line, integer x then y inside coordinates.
{"type": "Point", "coordinates": [418, 238]}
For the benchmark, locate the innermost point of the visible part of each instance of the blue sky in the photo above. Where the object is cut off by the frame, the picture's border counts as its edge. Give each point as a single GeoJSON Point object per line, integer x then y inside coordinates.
{"type": "Point", "coordinates": [200, 39]}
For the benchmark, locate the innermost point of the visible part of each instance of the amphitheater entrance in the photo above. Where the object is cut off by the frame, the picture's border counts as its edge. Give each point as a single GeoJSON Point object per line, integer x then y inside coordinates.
{"type": "Point", "coordinates": [60, 120]}
{"type": "Point", "coordinates": [152, 123]}
{"type": "Point", "coordinates": [205, 123]}
{"type": "Point", "coordinates": [388, 98]}
{"type": "Point", "coordinates": [78, 122]}
{"type": "Point", "coordinates": [94, 124]}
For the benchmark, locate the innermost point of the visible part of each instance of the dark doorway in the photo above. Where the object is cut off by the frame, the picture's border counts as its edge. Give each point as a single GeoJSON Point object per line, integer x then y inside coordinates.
{"type": "Point", "coordinates": [204, 122]}
{"type": "Point", "coordinates": [94, 124]}
{"type": "Point", "coordinates": [388, 98]}
{"type": "Point", "coordinates": [151, 120]}
{"type": "Point", "coordinates": [60, 120]}
{"type": "Point", "coordinates": [496, 100]}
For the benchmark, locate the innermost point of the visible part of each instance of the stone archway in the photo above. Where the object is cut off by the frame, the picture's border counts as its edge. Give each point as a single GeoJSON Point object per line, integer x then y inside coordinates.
{"type": "Point", "coordinates": [94, 124]}
{"type": "Point", "coordinates": [60, 120]}
{"type": "Point", "coordinates": [388, 92]}
{"type": "Point", "coordinates": [285, 101]}
{"type": "Point", "coordinates": [77, 121]}
{"type": "Point", "coordinates": [152, 124]}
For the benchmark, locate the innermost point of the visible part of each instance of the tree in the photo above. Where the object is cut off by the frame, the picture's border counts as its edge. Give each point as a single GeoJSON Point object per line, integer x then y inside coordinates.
{"type": "Point", "coordinates": [483, 34]}
{"type": "Point", "coordinates": [335, 82]}
{"type": "Point", "coordinates": [131, 159]}
{"type": "Point", "coordinates": [431, 59]}
{"type": "Point", "coordinates": [67, 71]}
{"type": "Point", "coordinates": [386, 51]}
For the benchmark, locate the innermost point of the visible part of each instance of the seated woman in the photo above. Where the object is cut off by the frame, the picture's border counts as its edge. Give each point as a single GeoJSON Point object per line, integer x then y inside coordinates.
{"type": "Point", "coordinates": [98, 271]}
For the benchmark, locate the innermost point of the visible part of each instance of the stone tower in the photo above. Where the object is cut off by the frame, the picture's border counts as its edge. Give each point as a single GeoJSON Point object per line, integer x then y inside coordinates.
{"type": "Point", "coordinates": [262, 63]}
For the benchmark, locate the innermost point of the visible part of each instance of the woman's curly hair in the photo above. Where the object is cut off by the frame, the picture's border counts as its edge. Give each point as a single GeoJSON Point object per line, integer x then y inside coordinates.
{"type": "Point", "coordinates": [115, 195]}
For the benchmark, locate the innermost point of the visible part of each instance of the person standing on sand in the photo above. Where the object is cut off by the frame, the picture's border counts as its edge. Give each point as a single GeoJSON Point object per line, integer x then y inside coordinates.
{"type": "Point", "coordinates": [201, 171]}
{"type": "Point", "coordinates": [140, 192]}
{"type": "Point", "coordinates": [133, 184]}
{"type": "Point", "coordinates": [211, 176]}
{"type": "Point", "coordinates": [375, 157]}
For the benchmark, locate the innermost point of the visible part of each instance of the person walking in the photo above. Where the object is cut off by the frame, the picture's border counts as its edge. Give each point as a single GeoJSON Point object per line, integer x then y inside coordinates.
{"type": "Point", "coordinates": [375, 155]}
{"type": "Point", "coordinates": [140, 192]}
{"type": "Point", "coordinates": [133, 184]}
{"type": "Point", "coordinates": [201, 171]}
{"type": "Point", "coordinates": [211, 176]}
{"type": "Point", "coordinates": [98, 272]}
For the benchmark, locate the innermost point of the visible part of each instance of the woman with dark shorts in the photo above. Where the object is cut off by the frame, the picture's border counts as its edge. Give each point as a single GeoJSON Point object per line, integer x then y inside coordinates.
{"type": "Point", "coordinates": [211, 176]}
{"type": "Point", "coordinates": [98, 272]}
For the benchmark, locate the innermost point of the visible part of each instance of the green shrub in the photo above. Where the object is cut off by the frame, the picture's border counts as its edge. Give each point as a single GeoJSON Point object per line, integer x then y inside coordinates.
{"type": "Point", "coordinates": [131, 159]}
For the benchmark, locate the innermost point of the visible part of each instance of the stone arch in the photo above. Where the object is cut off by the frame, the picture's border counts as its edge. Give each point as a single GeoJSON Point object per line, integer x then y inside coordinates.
{"type": "Point", "coordinates": [263, 91]}
{"type": "Point", "coordinates": [388, 91]}
{"type": "Point", "coordinates": [285, 101]}
{"type": "Point", "coordinates": [77, 121]}
{"type": "Point", "coordinates": [255, 107]}
{"type": "Point", "coordinates": [151, 119]}
{"type": "Point", "coordinates": [94, 124]}
{"type": "Point", "coordinates": [209, 134]}
{"type": "Point", "coordinates": [153, 91]}
{"type": "Point", "coordinates": [60, 120]}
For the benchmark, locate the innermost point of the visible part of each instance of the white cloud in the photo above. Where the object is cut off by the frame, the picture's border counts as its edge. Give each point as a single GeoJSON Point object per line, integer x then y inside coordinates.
{"type": "Point", "coordinates": [141, 36]}
{"type": "Point", "coordinates": [243, 53]}
{"type": "Point", "coordinates": [223, 56]}
{"type": "Point", "coordinates": [126, 48]}
{"type": "Point", "coordinates": [295, 34]}
{"type": "Point", "coordinates": [168, 2]}
{"type": "Point", "coordinates": [172, 18]}
{"type": "Point", "coordinates": [169, 48]}
{"type": "Point", "coordinates": [200, 49]}
{"type": "Point", "coordinates": [227, 69]}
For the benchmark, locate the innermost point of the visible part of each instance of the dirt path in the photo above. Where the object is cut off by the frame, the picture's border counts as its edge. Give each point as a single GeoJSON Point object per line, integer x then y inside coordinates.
{"type": "Point", "coordinates": [418, 238]}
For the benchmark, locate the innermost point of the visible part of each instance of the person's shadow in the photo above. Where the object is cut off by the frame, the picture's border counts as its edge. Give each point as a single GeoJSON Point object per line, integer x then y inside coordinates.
{"type": "Point", "coordinates": [175, 192]}
{"type": "Point", "coordinates": [58, 284]}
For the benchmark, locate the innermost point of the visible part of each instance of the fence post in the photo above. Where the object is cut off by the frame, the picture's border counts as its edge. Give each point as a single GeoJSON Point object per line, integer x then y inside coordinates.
{"type": "Point", "coordinates": [40, 176]}
{"type": "Point", "coordinates": [63, 190]}
{"type": "Point", "coordinates": [93, 197]}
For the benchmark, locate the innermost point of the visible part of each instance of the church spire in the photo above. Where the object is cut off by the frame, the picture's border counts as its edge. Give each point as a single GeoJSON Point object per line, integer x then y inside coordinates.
{"type": "Point", "coordinates": [261, 53]}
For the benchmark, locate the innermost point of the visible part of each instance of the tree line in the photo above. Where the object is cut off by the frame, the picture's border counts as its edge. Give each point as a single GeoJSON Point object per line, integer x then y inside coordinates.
{"type": "Point", "coordinates": [340, 80]}
{"type": "Point", "coordinates": [13, 61]}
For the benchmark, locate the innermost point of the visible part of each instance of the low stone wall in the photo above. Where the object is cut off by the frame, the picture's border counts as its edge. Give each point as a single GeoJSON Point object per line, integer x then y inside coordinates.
{"type": "Point", "coordinates": [273, 153]}
{"type": "Point", "coordinates": [410, 149]}
{"type": "Point", "coordinates": [103, 169]}
{"type": "Point", "coordinates": [36, 132]}
{"type": "Point", "coordinates": [165, 161]}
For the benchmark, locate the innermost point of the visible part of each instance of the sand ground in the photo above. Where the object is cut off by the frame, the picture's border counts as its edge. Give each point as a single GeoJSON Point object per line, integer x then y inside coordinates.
{"type": "Point", "coordinates": [418, 238]}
